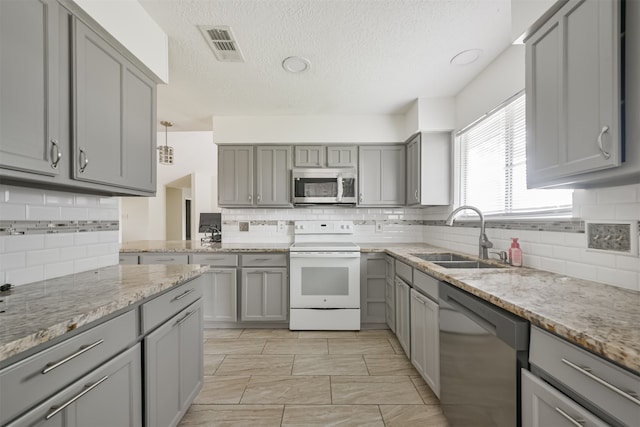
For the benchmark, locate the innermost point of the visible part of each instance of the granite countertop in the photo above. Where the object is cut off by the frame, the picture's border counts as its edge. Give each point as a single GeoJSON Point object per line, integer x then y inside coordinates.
{"type": "Point", "coordinates": [193, 246]}
{"type": "Point", "coordinates": [35, 313]}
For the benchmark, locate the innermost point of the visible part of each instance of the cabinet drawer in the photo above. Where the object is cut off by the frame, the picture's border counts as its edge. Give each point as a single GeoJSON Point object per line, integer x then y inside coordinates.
{"type": "Point", "coordinates": [264, 260]}
{"type": "Point", "coordinates": [168, 304]}
{"type": "Point", "coordinates": [164, 259]}
{"type": "Point", "coordinates": [27, 382]}
{"type": "Point", "coordinates": [426, 284]}
{"type": "Point", "coordinates": [220, 260]}
{"type": "Point", "coordinates": [128, 258]}
{"type": "Point", "coordinates": [404, 271]}
{"type": "Point", "coordinates": [588, 375]}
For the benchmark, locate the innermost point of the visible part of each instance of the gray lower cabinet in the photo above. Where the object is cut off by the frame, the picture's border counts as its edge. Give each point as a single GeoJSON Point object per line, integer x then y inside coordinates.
{"type": "Point", "coordinates": [573, 65]}
{"type": "Point", "coordinates": [273, 176]}
{"type": "Point", "coordinates": [111, 395]}
{"type": "Point", "coordinates": [381, 175]}
{"type": "Point", "coordinates": [264, 294]}
{"type": "Point", "coordinates": [114, 114]}
{"type": "Point", "coordinates": [29, 84]}
{"type": "Point", "coordinates": [425, 339]}
{"type": "Point", "coordinates": [390, 294]}
{"type": "Point", "coordinates": [373, 269]}
{"type": "Point", "coordinates": [173, 367]}
{"type": "Point", "coordinates": [543, 406]}
{"type": "Point", "coordinates": [220, 295]}
{"type": "Point", "coordinates": [403, 315]}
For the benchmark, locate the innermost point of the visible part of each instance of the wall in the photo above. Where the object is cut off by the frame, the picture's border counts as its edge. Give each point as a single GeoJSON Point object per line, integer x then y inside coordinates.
{"type": "Point", "coordinates": [65, 233]}
{"type": "Point", "coordinates": [196, 163]}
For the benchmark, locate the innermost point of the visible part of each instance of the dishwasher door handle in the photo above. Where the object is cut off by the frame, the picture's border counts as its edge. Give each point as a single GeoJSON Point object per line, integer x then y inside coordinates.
{"type": "Point", "coordinates": [481, 321]}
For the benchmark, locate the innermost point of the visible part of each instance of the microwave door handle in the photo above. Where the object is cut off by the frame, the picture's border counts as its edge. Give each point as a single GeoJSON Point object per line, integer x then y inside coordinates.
{"type": "Point", "coordinates": [340, 189]}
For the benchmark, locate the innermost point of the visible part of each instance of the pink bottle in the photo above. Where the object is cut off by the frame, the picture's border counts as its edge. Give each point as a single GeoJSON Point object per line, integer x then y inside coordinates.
{"type": "Point", "coordinates": [515, 253]}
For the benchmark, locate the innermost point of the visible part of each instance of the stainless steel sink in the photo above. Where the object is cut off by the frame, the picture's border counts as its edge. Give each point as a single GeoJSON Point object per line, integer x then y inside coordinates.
{"type": "Point", "coordinates": [466, 264]}
{"type": "Point", "coordinates": [442, 257]}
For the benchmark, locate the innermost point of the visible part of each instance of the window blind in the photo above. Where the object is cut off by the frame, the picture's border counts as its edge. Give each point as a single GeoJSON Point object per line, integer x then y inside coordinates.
{"type": "Point", "coordinates": [494, 166]}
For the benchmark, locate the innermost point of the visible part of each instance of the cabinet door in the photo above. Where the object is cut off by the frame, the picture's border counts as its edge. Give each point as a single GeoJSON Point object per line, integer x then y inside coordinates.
{"type": "Point", "coordinates": [29, 84]}
{"type": "Point", "coordinates": [173, 366]}
{"type": "Point", "coordinates": [342, 156]}
{"type": "Point", "coordinates": [273, 170]}
{"type": "Point", "coordinates": [372, 288]}
{"type": "Point", "coordinates": [235, 175]}
{"type": "Point", "coordinates": [403, 316]}
{"type": "Point", "coordinates": [220, 296]}
{"type": "Point", "coordinates": [425, 339]}
{"type": "Point", "coordinates": [309, 156]}
{"type": "Point", "coordinates": [543, 405]}
{"type": "Point", "coordinates": [573, 92]}
{"type": "Point", "coordinates": [390, 307]}
{"type": "Point", "coordinates": [382, 175]}
{"type": "Point", "coordinates": [413, 171]}
{"type": "Point", "coordinates": [264, 294]}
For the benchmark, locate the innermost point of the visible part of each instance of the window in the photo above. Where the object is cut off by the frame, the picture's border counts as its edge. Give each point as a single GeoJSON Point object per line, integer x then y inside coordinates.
{"type": "Point", "coordinates": [494, 169]}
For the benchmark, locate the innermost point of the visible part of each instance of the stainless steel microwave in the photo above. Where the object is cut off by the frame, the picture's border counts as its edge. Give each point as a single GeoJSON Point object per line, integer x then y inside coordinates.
{"type": "Point", "coordinates": [332, 186]}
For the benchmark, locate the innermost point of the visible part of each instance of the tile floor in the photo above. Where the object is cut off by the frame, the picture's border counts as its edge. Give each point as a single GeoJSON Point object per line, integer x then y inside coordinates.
{"type": "Point", "coordinates": [276, 377]}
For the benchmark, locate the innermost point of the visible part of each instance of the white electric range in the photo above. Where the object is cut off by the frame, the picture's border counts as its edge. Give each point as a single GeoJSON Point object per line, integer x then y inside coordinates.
{"type": "Point", "coordinates": [324, 277]}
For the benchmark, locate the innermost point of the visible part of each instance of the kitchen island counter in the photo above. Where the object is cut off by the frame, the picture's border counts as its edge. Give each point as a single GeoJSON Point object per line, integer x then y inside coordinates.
{"type": "Point", "coordinates": [40, 312]}
{"type": "Point", "coordinates": [193, 246]}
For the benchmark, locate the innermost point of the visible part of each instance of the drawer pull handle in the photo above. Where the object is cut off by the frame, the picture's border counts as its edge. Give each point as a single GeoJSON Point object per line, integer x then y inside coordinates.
{"type": "Point", "coordinates": [587, 371]}
{"type": "Point", "coordinates": [184, 319]}
{"type": "Point", "coordinates": [83, 349]}
{"type": "Point", "coordinates": [56, 409]}
{"type": "Point", "coordinates": [262, 259]}
{"type": "Point", "coordinates": [182, 295]}
{"type": "Point", "coordinates": [575, 422]}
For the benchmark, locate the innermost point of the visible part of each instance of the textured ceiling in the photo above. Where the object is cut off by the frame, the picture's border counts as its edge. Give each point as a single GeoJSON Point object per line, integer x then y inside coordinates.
{"type": "Point", "coordinates": [367, 56]}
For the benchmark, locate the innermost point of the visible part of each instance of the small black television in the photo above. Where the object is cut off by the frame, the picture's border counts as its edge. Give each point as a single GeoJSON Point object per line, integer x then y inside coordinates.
{"type": "Point", "coordinates": [210, 221]}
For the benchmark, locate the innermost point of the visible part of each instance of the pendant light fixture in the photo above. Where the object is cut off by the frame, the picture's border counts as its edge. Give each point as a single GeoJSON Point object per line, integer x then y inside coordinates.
{"type": "Point", "coordinates": [166, 153]}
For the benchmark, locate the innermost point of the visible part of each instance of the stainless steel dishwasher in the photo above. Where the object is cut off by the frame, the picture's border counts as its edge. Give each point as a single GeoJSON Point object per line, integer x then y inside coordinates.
{"type": "Point", "coordinates": [482, 349]}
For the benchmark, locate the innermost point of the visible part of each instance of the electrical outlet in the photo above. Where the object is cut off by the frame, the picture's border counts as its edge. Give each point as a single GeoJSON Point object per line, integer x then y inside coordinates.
{"type": "Point", "coordinates": [243, 226]}
{"type": "Point", "coordinates": [281, 226]}
{"type": "Point", "coordinates": [379, 227]}
{"type": "Point", "coordinates": [613, 236]}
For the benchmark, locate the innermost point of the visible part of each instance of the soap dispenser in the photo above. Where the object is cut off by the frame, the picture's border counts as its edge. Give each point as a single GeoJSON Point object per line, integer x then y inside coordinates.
{"type": "Point", "coordinates": [515, 253]}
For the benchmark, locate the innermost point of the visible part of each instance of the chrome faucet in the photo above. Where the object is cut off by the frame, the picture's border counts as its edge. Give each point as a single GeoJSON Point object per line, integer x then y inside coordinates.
{"type": "Point", "coordinates": [484, 244]}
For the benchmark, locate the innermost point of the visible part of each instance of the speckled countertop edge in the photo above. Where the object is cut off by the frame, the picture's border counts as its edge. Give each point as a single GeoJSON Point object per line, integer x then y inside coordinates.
{"type": "Point", "coordinates": [39, 312]}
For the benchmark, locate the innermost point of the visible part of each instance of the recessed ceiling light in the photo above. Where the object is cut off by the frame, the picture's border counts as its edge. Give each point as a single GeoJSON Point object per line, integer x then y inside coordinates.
{"type": "Point", "coordinates": [466, 57]}
{"type": "Point", "coordinates": [296, 64]}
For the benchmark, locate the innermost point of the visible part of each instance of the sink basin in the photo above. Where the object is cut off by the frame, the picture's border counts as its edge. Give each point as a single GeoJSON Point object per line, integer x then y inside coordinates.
{"type": "Point", "coordinates": [466, 264]}
{"type": "Point", "coordinates": [442, 257]}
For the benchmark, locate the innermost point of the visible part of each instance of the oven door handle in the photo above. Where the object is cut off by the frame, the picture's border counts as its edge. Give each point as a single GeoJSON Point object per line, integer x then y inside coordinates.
{"type": "Point", "coordinates": [325, 255]}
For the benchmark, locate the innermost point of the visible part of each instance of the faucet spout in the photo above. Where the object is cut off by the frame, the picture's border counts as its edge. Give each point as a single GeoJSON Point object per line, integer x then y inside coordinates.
{"type": "Point", "coordinates": [484, 243]}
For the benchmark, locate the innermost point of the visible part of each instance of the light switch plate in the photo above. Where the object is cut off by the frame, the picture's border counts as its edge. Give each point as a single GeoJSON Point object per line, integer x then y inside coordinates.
{"type": "Point", "coordinates": [617, 237]}
{"type": "Point", "coordinates": [379, 226]}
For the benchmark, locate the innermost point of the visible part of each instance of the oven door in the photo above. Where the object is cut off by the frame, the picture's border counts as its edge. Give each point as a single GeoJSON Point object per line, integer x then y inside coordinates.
{"type": "Point", "coordinates": [324, 279]}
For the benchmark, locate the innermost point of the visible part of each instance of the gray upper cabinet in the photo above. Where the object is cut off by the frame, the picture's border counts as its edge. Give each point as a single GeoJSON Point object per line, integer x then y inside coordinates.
{"type": "Point", "coordinates": [429, 169]}
{"type": "Point", "coordinates": [29, 83]}
{"type": "Point", "coordinates": [58, 79]}
{"type": "Point", "coordinates": [573, 86]}
{"type": "Point", "coordinates": [381, 175]}
{"type": "Point", "coordinates": [235, 175]}
{"type": "Point", "coordinates": [114, 114]}
{"type": "Point", "coordinates": [309, 156]}
{"type": "Point", "coordinates": [342, 156]}
{"type": "Point", "coordinates": [273, 173]}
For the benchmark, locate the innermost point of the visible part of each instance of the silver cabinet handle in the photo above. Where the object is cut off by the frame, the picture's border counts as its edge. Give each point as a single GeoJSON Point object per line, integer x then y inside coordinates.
{"type": "Point", "coordinates": [605, 154]}
{"type": "Point", "coordinates": [84, 159]}
{"type": "Point", "coordinates": [259, 197]}
{"type": "Point", "coordinates": [182, 295]}
{"type": "Point", "coordinates": [577, 423]}
{"type": "Point", "coordinates": [587, 371]}
{"type": "Point", "coordinates": [56, 409]}
{"type": "Point", "coordinates": [250, 198]}
{"type": "Point", "coordinates": [184, 319]}
{"type": "Point", "coordinates": [56, 155]}
{"type": "Point", "coordinates": [415, 195]}
{"type": "Point", "coordinates": [262, 259]}
{"type": "Point", "coordinates": [83, 349]}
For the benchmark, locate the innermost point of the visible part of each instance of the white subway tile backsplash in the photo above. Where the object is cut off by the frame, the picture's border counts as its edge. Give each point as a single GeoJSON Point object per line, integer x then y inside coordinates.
{"type": "Point", "coordinates": [86, 238]}
{"type": "Point", "coordinates": [581, 270]}
{"type": "Point", "coordinates": [82, 200]}
{"type": "Point", "coordinates": [25, 275]}
{"type": "Point", "coordinates": [85, 264]}
{"type": "Point", "coordinates": [578, 240]}
{"type": "Point", "coordinates": [103, 214]}
{"type": "Point", "coordinates": [25, 196]}
{"type": "Point", "coordinates": [621, 278]}
{"type": "Point", "coordinates": [598, 258]}
{"type": "Point", "coordinates": [72, 253]}
{"type": "Point", "coordinates": [58, 269]}
{"type": "Point", "coordinates": [631, 263]}
{"type": "Point", "coordinates": [58, 199]}
{"type": "Point", "coordinates": [44, 256]}
{"type": "Point", "coordinates": [628, 211]}
{"type": "Point", "coordinates": [13, 260]}
{"type": "Point", "coordinates": [107, 260]}
{"type": "Point", "coordinates": [13, 212]}
{"type": "Point", "coordinates": [22, 243]}
{"type": "Point", "coordinates": [61, 240]}
{"type": "Point", "coordinates": [43, 213]}
{"type": "Point", "coordinates": [112, 236]}
{"type": "Point", "coordinates": [567, 253]}
{"type": "Point", "coordinates": [625, 194]}
{"type": "Point", "coordinates": [591, 212]}
{"type": "Point", "coordinates": [74, 214]}
{"type": "Point", "coordinates": [98, 250]}
{"type": "Point", "coordinates": [553, 265]}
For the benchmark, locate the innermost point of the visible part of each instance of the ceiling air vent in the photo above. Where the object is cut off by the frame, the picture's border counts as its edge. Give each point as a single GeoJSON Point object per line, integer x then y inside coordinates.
{"type": "Point", "coordinates": [221, 40]}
